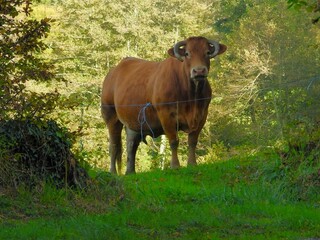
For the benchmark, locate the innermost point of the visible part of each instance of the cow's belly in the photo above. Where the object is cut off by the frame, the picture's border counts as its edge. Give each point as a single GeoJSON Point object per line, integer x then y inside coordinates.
{"type": "Point", "coordinates": [140, 118]}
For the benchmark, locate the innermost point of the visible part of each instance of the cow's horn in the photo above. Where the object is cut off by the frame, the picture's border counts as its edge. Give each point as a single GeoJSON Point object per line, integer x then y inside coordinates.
{"type": "Point", "coordinates": [216, 48]}
{"type": "Point", "coordinates": [176, 49]}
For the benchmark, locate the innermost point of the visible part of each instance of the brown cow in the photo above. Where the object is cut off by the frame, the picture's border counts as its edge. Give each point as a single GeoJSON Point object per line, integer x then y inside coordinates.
{"type": "Point", "coordinates": [154, 98]}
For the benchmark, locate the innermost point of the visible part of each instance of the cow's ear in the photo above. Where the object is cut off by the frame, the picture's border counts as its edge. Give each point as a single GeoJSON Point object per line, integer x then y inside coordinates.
{"type": "Point", "coordinates": [181, 54]}
{"type": "Point", "coordinates": [222, 49]}
{"type": "Point", "coordinates": [171, 52]}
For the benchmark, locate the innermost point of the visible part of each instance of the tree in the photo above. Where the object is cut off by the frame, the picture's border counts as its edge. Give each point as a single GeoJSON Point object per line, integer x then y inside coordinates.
{"type": "Point", "coordinates": [33, 148]}
{"type": "Point", "coordinates": [20, 42]}
{"type": "Point", "coordinates": [268, 73]}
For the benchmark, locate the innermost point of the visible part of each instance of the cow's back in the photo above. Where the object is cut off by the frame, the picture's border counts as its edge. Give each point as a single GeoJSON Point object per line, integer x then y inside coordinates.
{"type": "Point", "coordinates": [127, 83]}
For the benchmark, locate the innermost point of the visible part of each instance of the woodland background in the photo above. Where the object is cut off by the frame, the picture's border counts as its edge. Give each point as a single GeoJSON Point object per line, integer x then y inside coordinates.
{"type": "Point", "coordinates": [266, 87]}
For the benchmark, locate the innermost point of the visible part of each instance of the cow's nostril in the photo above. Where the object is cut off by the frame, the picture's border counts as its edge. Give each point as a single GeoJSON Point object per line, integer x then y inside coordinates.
{"type": "Point", "coordinates": [199, 71]}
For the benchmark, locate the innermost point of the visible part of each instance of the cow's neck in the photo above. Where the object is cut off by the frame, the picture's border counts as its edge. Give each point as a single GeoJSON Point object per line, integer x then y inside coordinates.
{"type": "Point", "coordinates": [194, 110]}
{"type": "Point", "coordinates": [197, 88]}
{"type": "Point", "coordinates": [192, 91]}
{"type": "Point", "coordinates": [191, 88]}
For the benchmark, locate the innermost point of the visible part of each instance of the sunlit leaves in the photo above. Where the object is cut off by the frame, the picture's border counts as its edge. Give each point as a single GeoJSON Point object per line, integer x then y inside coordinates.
{"type": "Point", "coordinates": [271, 51]}
{"type": "Point", "coordinates": [21, 40]}
{"type": "Point", "coordinates": [310, 6]}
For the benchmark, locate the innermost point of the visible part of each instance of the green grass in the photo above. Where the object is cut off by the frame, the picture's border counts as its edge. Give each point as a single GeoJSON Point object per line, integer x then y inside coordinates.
{"type": "Point", "coordinates": [225, 200]}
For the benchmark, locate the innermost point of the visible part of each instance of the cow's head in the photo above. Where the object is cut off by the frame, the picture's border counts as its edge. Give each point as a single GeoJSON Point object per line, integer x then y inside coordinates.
{"type": "Point", "coordinates": [195, 53]}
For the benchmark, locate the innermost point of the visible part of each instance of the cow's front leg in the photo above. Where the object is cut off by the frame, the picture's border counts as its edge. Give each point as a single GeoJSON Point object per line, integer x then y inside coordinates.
{"type": "Point", "coordinates": [168, 122]}
{"type": "Point", "coordinates": [133, 140]}
{"type": "Point", "coordinates": [192, 142]}
{"type": "Point", "coordinates": [174, 143]}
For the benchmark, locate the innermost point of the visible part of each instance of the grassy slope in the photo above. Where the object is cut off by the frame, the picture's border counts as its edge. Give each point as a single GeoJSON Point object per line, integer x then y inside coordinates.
{"type": "Point", "coordinates": [213, 201]}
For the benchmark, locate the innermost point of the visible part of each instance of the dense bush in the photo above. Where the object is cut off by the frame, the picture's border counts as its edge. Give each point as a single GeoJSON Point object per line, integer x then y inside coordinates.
{"type": "Point", "coordinates": [35, 151]}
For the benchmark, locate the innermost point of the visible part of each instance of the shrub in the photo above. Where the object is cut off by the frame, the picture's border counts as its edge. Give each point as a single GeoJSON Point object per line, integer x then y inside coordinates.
{"type": "Point", "coordinates": [32, 151]}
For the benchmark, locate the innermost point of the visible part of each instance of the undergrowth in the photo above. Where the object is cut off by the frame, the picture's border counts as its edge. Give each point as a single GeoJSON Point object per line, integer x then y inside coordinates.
{"type": "Point", "coordinates": [232, 199]}
{"type": "Point", "coordinates": [35, 150]}
{"type": "Point", "coordinates": [294, 175]}
{"type": "Point", "coordinates": [102, 192]}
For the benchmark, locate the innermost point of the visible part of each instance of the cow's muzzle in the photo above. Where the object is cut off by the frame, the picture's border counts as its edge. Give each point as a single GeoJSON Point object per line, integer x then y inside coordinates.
{"type": "Point", "coordinates": [199, 73]}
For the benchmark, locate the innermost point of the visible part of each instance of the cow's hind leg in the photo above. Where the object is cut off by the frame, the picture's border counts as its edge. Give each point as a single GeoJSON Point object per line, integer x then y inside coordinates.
{"type": "Point", "coordinates": [133, 140]}
{"type": "Point", "coordinates": [115, 145]}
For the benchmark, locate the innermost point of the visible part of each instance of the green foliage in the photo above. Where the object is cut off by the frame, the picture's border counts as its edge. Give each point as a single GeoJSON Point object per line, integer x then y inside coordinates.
{"type": "Point", "coordinates": [292, 170]}
{"type": "Point", "coordinates": [268, 86]}
{"type": "Point", "coordinates": [129, 28]}
{"type": "Point", "coordinates": [32, 152]}
{"type": "Point", "coordinates": [229, 14]}
{"type": "Point", "coordinates": [299, 162]}
{"type": "Point", "coordinates": [216, 152]}
{"type": "Point", "coordinates": [32, 149]}
{"type": "Point", "coordinates": [20, 45]}
{"type": "Point", "coordinates": [311, 6]}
